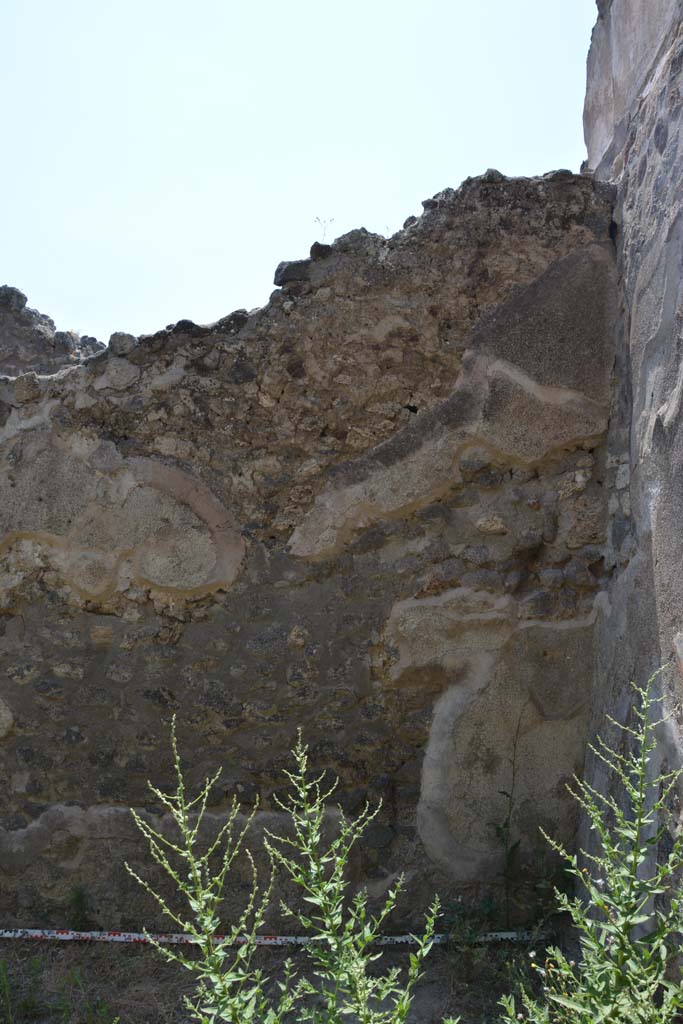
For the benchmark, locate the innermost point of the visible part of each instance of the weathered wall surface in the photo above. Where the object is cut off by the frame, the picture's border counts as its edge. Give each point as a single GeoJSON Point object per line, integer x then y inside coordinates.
{"type": "Point", "coordinates": [639, 145]}
{"type": "Point", "coordinates": [376, 508]}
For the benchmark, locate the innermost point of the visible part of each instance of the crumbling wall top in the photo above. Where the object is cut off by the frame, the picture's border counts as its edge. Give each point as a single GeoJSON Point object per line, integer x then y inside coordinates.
{"type": "Point", "coordinates": [29, 340]}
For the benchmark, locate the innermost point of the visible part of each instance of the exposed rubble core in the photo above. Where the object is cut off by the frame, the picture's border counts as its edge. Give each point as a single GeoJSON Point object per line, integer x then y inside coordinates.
{"type": "Point", "coordinates": [375, 508]}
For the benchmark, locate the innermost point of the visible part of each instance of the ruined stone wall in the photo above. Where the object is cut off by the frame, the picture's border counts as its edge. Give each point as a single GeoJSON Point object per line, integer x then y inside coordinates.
{"type": "Point", "coordinates": [637, 55]}
{"type": "Point", "coordinates": [425, 504]}
{"type": "Point", "coordinates": [375, 508]}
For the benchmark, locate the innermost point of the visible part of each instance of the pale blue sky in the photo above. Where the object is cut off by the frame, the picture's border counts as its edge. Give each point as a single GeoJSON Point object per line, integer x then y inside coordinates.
{"type": "Point", "coordinates": [161, 157]}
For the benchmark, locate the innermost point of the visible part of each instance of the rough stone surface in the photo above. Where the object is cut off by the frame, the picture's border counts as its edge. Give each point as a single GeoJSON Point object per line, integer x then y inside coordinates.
{"type": "Point", "coordinates": [29, 341]}
{"type": "Point", "coordinates": [629, 41]}
{"type": "Point", "coordinates": [6, 720]}
{"type": "Point", "coordinates": [637, 53]}
{"type": "Point", "coordinates": [375, 509]}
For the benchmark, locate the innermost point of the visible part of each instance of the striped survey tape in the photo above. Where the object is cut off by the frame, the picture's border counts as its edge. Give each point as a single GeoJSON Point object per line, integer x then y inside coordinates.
{"type": "Point", "coordinates": [167, 939]}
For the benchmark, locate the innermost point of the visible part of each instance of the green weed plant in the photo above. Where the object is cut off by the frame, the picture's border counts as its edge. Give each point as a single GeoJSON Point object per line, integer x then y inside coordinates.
{"type": "Point", "coordinates": [341, 987]}
{"type": "Point", "coordinates": [344, 933]}
{"type": "Point", "coordinates": [628, 911]}
{"type": "Point", "coordinates": [627, 914]}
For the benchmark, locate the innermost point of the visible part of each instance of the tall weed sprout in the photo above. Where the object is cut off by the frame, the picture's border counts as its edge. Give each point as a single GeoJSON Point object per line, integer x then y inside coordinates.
{"type": "Point", "coordinates": [343, 931]}
{"type": "Point", "coordinates": [228, 986]}
{"type": "Point", "coordinates": [628, 913]}
{"type": "Point", "coordinates": [343, 985]}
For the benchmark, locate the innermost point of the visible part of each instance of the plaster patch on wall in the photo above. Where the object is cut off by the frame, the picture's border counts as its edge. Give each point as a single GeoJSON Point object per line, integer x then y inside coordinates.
{"type": "Point", "coordinates": [502, 727]}
{"type": "Point", "coordinates": [107, 523]}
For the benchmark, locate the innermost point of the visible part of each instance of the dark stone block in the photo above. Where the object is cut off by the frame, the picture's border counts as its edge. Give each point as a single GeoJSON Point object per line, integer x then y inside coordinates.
{"type": "Point", "coordinates": [297, 270]}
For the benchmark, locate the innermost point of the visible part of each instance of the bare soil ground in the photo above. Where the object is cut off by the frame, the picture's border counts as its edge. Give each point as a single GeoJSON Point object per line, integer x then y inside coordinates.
{"type": "Point", "coordinates": [76, 983]}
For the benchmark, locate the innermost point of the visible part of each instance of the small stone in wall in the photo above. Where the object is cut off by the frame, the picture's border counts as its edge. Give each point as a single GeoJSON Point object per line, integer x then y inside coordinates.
{"type": "Point", "coordinates": [623, 477]}
{"type": "Point", "coordinates": [587, 522]}
{"type": "Point", "coordinates": [475, 465]}
{"type": "Point", "coordinates": [119, 375]}
{"type": "Point", "coordinates": [121, 344]}
{"type": "Point", "coordinates": [491, 523]}
{"type": "Point", "coordinates": [6, 720]}
{"type": "Point", "coordinates": [298, 637]}
{"type": "Point", "coordinates": [678, 651]}
{"type": "Point", "coordinates": [483, 579]}
{"type": "Point", "coordinates": [538, 605]}
{"type": "Point", "coordinates": [550, 578]}
{"type": "Point", "coordinates": [573, 483]}
{"type": "Point", "coordinates": [550, 525]}
{"type": "Point", "coordinates": [528, 540]}
{"type": "Point", "coordinates": [26, 388]}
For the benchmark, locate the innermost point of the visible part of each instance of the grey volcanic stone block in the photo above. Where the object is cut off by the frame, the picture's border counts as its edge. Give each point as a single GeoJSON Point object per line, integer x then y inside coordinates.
{"type": "Point", "coordinates": [297, 270]}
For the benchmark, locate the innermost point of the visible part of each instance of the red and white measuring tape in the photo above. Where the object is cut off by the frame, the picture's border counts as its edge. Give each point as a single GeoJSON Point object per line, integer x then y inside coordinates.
{"type": "Point", "coordinates": [167, 939]}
